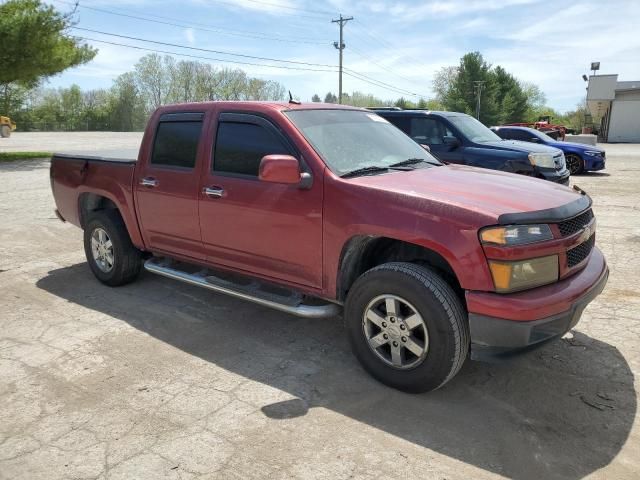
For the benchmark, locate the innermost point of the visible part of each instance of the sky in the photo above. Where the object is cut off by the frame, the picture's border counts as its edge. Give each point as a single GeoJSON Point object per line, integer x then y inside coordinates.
{"type": "Point", "coordinates": [393, 48]}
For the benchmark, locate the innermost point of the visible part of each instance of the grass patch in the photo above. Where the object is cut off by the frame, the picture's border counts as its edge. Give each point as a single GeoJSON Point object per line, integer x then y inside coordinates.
{"type": "Point", "coordinates": [12, 156]}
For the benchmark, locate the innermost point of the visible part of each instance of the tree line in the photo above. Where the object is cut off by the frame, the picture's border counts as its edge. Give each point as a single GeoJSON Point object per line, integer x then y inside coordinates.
{"type": "Point", "coordinates": [155, 80]}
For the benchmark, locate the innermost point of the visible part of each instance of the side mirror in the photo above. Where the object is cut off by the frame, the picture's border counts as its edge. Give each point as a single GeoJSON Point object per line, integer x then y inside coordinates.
{"type": "Point", "coordinates": [425, 147]}
{"type": "Point", "coordinates": [280, 169]}
{"type": "Point", "coordinates": [451, 141]}
{"type": "Point", "coordinates": [534, 140]}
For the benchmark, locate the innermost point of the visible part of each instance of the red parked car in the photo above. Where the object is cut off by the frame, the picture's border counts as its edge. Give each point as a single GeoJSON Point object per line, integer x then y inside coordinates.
{"type": "Point", "coordinates": [316, 209]}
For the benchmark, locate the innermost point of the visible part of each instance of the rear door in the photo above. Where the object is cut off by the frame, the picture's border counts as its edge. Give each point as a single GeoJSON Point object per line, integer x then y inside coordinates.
{"type": "Point", "coordinates": [269, 229]}
{"type": "Point", "coordinates": [167, 184]}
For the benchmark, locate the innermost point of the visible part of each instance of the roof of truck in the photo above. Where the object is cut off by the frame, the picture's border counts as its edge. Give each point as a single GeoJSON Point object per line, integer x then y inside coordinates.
{"type": "Point", "coordinates": [252, 105]}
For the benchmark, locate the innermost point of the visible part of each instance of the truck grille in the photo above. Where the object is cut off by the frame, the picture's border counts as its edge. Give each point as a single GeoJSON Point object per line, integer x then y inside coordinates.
{"type": "Point", "coordinates": [579, 253]}
{"type": "Point", "coordinates": [575, 224]}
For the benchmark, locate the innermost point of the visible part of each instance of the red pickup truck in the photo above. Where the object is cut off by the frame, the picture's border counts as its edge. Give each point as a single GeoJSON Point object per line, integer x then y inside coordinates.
{"type": "Point", "coordinates": [320, 209]}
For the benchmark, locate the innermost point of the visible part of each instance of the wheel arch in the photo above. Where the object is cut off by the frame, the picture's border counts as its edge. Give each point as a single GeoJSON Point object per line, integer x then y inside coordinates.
{"type": "Point", "coordinates": [363, 252]}
{"type": "Point", "coordinates": [89, 202]}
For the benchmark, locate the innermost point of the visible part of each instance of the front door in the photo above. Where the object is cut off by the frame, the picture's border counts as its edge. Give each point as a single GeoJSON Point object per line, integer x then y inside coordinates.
{"type": "Point", "coordinates": [167, 185]}
{"type": "Point", "coordinates": [431, 132]}
{"type": "Point", "coordinates": [269, 229]}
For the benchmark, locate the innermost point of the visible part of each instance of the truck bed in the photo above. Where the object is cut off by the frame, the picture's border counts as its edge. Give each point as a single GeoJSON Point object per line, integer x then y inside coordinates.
{"type": "Point", "coordinates": [75, 178]}
{"type": "Point", "coordinates": [91, 158]}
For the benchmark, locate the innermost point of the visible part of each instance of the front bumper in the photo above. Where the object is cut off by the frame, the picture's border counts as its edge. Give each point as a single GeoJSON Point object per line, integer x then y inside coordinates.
{"type": "Point", "coordinates": [555, 176]}
{"type": "Point", "coordinates": [541, 314]}
{"type": "Point", "coordinates": [593, 163]}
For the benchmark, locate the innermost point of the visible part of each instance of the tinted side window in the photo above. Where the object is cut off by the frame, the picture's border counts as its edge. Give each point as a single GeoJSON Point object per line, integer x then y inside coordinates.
{"type": "Point", "coordinates": [403, 123]}
{"type": "Point", "coordinates": [176, 144]}
{"type": "Point", "coordinates": [520, 135]}
{"type": "Point", "coordinates": [428, 131]}
{"type": "Point", "coordinates": [506, 134]}
{"type": "Point", "coordinates": [241, 146]}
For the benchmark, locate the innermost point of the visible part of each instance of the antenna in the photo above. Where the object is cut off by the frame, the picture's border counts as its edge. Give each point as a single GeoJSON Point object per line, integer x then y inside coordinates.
{"type": "Point", "coordinates": [291, 100]}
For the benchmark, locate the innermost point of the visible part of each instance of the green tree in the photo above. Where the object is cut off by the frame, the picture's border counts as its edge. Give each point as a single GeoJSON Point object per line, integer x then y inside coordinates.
{"type": "Point", "coordinates": [511, 100]}
{"type": "Point", "coordinates": [127, 109]}
{"type": "Point", "coordinates": [35, 44]}
{"type": "Point", "coordinates": [404, 103]}
{"type": "Point", "coordinates": [461, 94]}
{"type": "Point", "coordinates": [443, 81]}
{"type": "Point", "coordinates": [330, 98]}
{"type": "Point", "coordinates": [316, 98]}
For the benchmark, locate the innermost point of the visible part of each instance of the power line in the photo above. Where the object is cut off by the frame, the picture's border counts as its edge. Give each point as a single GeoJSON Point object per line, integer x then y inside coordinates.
{"type": "Point", "coordinates": [350, 73]}
{"type": "Point", "coordinates": [386, 44]}
{"type": "Point", "coordinates": [167, 44]}
{"type": "Point", "coordinates": [224, 60]}
{"type": "Point", "coordinates": [288, 7]}
{"type": "Point", "coordinates": [315, 16]}
{"type": "Point", "coordinates": [377, 83]}
{"type": "Point", "coordinates": [388, 69]}
{"type": "Point", "coordinates": [199, 26]}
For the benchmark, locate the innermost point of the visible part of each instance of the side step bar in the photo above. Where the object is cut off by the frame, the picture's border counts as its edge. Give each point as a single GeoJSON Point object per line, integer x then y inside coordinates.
{"type": "Point", "coordinates": [253, 291]}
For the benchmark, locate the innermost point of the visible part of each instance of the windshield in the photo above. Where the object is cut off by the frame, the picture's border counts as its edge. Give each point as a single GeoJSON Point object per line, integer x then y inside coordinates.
{"type": "Point", "coordinates": [541, 135]}
{"type": "Point", "coordinates": [473, 129]}
{"type": "Point", "coordinates": [348, 139]}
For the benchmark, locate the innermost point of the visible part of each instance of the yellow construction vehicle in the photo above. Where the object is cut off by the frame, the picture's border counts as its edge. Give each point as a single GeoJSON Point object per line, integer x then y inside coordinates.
{"type": "Point", "coordinates": [6, 126]}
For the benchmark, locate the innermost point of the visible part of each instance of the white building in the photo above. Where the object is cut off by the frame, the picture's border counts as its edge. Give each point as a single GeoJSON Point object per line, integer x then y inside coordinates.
{"type": "Point", "coordinates": [618, 105]}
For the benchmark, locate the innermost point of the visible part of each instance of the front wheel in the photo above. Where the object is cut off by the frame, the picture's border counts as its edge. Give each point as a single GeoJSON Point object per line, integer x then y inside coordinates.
{"type": "Point", "coordinates": [113, 259]}
{"type": "Point", "coordinates": [5, 131]}
{"type": "Point", "coordinates": [407, 327]}
{"type": "Point", "coordinates": [574, 163]}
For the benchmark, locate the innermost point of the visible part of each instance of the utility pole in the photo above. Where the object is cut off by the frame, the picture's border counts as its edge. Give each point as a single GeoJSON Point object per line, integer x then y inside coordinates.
{"type": "Point", "coordinates": [477, 88]}
{"type": "Point", "coordinates": [340, 46]}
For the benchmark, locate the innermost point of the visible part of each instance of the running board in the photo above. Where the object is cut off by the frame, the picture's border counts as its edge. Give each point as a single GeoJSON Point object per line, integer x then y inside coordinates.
{"type": "Point", "coordinates": [263, 294]}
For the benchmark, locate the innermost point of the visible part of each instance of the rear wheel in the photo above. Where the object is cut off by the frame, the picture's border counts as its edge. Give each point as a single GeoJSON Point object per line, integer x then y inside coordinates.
{"type": "Point", "coordinates": [574, 163]}
{"type": "Point", "coordinates": [111, 256]}
{"type": "Point", "coordinates": [407, 327]}
{"type": "Point", "coordinates": [5, 131]}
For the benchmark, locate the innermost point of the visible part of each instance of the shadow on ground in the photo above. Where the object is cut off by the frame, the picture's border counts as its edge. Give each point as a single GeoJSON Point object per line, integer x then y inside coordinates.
{"type": "Point", "coordinates": [562, 411]}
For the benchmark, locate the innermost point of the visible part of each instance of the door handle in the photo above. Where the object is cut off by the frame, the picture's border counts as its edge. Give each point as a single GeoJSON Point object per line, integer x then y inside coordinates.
{"type": "Point", "coordinates": [149, 182]}
{"type": "Point", "coordinates": [213, 192]}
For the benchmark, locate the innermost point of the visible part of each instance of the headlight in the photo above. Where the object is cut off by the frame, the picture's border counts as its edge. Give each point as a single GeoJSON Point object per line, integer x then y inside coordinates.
{"type": "Point", "coordinates": [524, 274]}
{"type": "Point", "coordinates": [593, 153]}
{"type": "Point", "coordinates": [544, 160]}
{"type": "Point", "coordinates": [563, 162]}
{"type": "Point", "coordinates": [516, 234]}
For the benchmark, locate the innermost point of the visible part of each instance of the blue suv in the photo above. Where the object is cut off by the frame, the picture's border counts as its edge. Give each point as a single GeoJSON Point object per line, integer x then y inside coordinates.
{"type": "Point", "coordinates": [580, 158]}
{"type": "Point", "coordinates": [459, 138]}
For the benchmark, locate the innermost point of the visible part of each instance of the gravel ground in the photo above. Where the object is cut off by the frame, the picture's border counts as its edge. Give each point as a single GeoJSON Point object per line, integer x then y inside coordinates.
{"type": "Point", "coordinates": [106, 144]}
{"type": "Point", "coordinates": [163, 380]}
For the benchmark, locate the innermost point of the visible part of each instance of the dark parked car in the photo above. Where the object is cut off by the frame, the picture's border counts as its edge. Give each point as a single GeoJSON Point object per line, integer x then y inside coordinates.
{"type": "Point", "coordinates": [579, 157]}
{"type": "Point", "coordinates": [459, 138]}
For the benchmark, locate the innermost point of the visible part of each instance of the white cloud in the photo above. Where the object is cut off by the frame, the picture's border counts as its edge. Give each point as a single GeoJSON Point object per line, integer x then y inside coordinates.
{"type": "Point", "coordinates": [190, 35]}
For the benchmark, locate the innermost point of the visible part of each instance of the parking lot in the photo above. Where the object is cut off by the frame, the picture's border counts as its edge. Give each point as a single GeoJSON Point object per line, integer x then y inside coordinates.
{"type": "Point", "coordinates": [159, 379]}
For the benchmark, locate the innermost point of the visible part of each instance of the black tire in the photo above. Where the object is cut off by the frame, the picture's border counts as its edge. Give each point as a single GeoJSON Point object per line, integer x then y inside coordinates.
{"type": "Point", "coordinates": [575, 164]}
{"type": "Point", "coordinates": [5, 131]}
{"type": "Point", "coordinates": [127, 259]}
{"type": "Point", "coordinates": [440, 309]}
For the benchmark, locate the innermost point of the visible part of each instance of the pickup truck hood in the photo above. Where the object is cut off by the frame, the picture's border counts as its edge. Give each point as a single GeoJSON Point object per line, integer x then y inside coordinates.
{"type": "Point", "coordinates": [488, 192]}
{"type": "Point", "coordinates": [525, 147]}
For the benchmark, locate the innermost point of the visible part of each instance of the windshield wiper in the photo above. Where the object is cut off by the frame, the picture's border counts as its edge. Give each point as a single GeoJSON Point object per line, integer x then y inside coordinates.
{"type": "Point", "coordinates": [412, 161]}
{"type": "Point", "coordinates": [365, 171]}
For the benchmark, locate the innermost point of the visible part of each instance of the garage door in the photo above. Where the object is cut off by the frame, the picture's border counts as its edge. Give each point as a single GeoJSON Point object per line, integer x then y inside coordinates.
{"type": "Point", "coordinates": [625, 122]}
